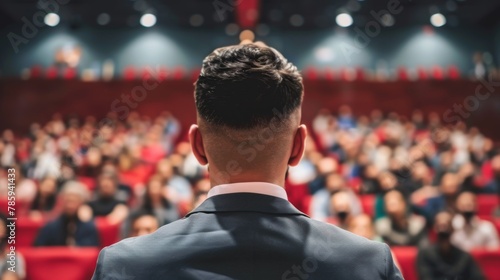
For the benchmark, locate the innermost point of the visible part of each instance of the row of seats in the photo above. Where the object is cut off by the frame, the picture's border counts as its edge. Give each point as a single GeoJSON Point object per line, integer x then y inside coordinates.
{"type": "Point", "coordinates": [402, 73]}
{"type": "Point", "coordinates": [312, 73]}
{"type": "Point", "coordinates": [27, 231]}
{"type": "Point", "coordinates": [78, 263]}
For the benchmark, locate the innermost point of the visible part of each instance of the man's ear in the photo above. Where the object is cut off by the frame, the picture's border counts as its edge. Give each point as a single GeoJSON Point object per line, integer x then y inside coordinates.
{"type": "Point", "coordinates": [299, 144]}
{"type": "Point", "coordinates": [197, 144]}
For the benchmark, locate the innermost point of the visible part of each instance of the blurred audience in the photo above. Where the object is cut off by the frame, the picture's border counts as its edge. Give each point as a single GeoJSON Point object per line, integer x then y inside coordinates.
{"type": "Point", "coordinates": [142, 175]}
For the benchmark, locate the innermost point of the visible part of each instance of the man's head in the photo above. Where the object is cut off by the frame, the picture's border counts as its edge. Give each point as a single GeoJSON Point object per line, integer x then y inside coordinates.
{"type": "Point", "coordinates": [449, 184]}
{"type": "Point", "coordinates": [466, 205]}
{"type": "Point", "coordinates": [143, 223]}
{"type": "Point", "coordinates": [248, 100]}
{"type": "Point", "coordinates": [74, 195]}
{"type": "Point", "coordinates": [340, 205]}
{"type": "Point", "coordinates": [108, 185]}
{"type": "Point", "coordinates": [395, 204]}
{"type": "Point", "coordinates": [443, 226]}
{"type": "Point", "coordinates": [361, 225]}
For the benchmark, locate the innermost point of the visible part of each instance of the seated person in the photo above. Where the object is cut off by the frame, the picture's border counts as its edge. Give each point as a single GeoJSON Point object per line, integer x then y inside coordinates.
{"type": "Point", "coordinates": [428, 200]}
{"type": "Point", "coordinates": [320, 203]}
{"type": "Point", "coordinates": [106, 204]}
{"type": "Point", "coordinates": [20, 269]}
{"type": "Point", "coordinates": [68, 229]}
{"type": "Point", "coordinates": [470, 231]}
{"type": "Point", "coordinates": [399, 227]}
{"type": "Point", "coordinates": [443, 260]}
{"type": "Point", "coordinates": [45, 200]}
{"type": "Point", "coordinates": [340, 205]}
{"type": "Point", "coordinates": [156, 203]}
{"type": "Point", "coordinates": [362, 225]}
{"type": "Point", "coordinates": [143, 223]}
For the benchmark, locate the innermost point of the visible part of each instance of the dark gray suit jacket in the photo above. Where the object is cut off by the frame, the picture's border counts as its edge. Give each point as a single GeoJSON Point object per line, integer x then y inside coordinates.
{"type": "Point", "coordinates": [246, 236]}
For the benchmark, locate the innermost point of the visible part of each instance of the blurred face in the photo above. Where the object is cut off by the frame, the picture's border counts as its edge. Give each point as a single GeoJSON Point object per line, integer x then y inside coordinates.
{"type": "Point", "coordinates": [144, 225]}
{"type": "Point", "coordinates": [155, 188]}
{"type": "Point", "coordinates": [165, 169]}
{"type": "Point", "coordinates": [340, 202]}
{"type": "Point", "coordinates": [334, 182]}
{"type": "Point", "coordinates": [107, 187]}
{"type": "Point", "coordinates": [466, 202]}
{"type": "Point", "coordinates": [71, 203]}
{"type": "Point", "coordinates": [449, 184]}
{"type": "Point", "coordinates": [48, 186]}
{"type": "Point", "coordinates": [442, 223]}
{"type": "Point", "coordinates": [387, 181]}
{"type": "Point", "coordinates": [362, 225]}
{"type": "Point", "coordinates": [394, 204]}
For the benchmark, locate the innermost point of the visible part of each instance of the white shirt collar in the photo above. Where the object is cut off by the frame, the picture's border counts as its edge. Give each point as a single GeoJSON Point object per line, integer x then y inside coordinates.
{"type": "Point", "coordinates": [249, 187]}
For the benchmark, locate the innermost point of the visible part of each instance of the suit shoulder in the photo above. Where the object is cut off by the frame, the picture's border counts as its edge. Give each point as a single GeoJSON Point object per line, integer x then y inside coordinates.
{"type": "Point", "coordinates": [341, 239]}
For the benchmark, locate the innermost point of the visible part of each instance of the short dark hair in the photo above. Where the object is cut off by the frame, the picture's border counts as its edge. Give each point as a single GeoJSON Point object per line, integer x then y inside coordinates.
{"type": "Point", "coordinates": [246, 86]}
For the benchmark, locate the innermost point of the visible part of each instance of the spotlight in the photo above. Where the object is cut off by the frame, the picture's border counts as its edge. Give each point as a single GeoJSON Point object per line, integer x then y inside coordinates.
{"type": "Point", "coordinates": [148, 20]}
{"type": "Point", "coordinates": [344, 20]}
{"type": "Point", "coordinates": [51, 19]}
{"type": "Point", "coordinates": [438, 20]}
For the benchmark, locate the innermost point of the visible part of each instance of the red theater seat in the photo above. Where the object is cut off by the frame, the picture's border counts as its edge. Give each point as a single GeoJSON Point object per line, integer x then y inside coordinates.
{"type": "Point", "coordinates": [108, 234]}
{"type": "Point", "coordinates": [329, 74]}
{"type": "Point", "coordinates": [402, 73]}
{"type": "Point", "coordinates": [69, 73]}
{"type": "Point", "coordinates": [195, 73]}
{"type": "Point", "coordinates": [489, 261]}
{"type": "Point", "coordinates": [311, 73]}
{"type": "Point", "coordinates": [407, 257]}
{"type": "Point", "coordinates": [437, 72]}
{"type": "Point", "coordinates": [59, 263]}
{"type": "Point", "coordinates": [368, 204]}
{"type": "Point", "coordinates": [453, 72]}
{"type": "Point", "coordinates": [162, 73]}
{"type": "Point", "coordinates": [27, 230]}
{"type": "Point", "coordinates": [51, 72]}
{"type": "Point", "coordinates": [486, 204]}
{"type": "Point", "coordinates": [129, 73]}
{"type": "Point", "coordinates": [36, 71]}
{"type": "Point", "coordinates": [179, 73]}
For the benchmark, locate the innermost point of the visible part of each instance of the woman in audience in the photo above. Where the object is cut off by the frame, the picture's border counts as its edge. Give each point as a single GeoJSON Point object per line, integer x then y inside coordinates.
{"type": "Point", "coordinates": [156, 203]}
{"type": "Point", "coordinates": [399, 227]}
{"type": "Point", "coordinates": [45, 200]}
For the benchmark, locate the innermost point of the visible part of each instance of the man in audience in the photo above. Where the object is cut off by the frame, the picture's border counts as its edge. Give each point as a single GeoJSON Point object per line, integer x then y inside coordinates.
{"type": "Point", "coordinates": [400, 227]}
{"type": "Point", "coordinates": [470, 231]}
{"type": "Point", "coordinates": [143, 223]}
{"type": "Point", "coordinates": [436, 200]}
{"type": "Point", "coordinates": [340, 206]}
{"type": "Point", "coordinates": [68, 229]}
{"type": "Point", "coordinates": [321, 206]}
{"type": "Point", "coordinates": [106, 204]}
{"type": "Point", "coordinates": [443, 260]}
